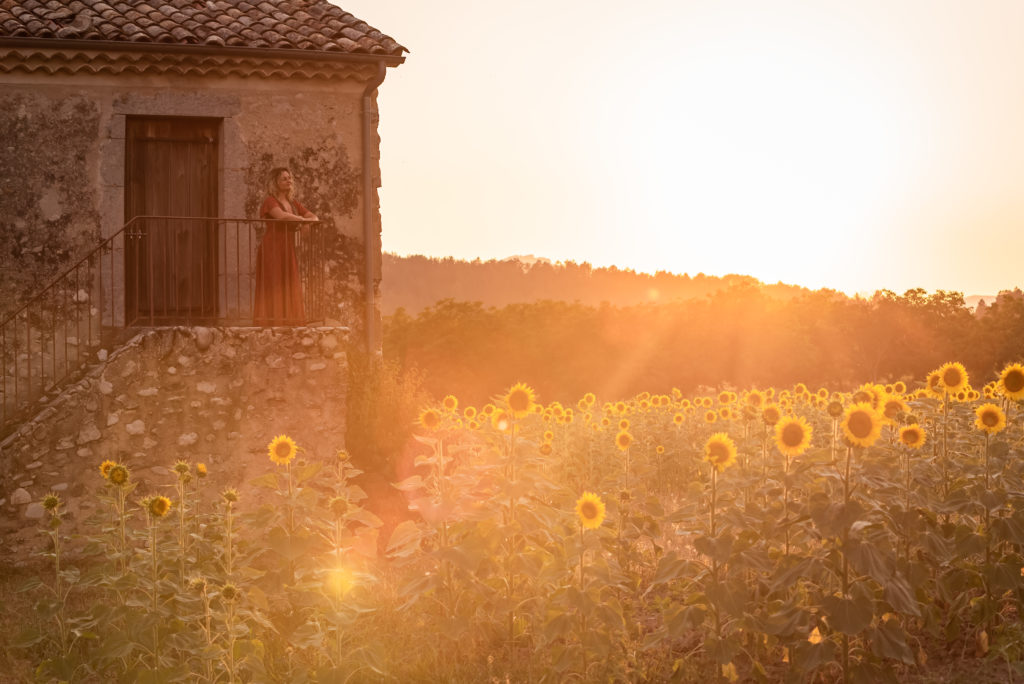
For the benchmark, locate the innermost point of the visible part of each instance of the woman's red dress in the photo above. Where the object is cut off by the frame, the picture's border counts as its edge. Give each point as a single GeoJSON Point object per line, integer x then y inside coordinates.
{"type": "Point", "coordinates": [278, 285]}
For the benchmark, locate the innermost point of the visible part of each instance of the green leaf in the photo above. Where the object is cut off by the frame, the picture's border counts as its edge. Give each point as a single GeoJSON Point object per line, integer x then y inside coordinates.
{"type": "Point", "coordinates": [847, 615]}
{"type": "Point", "coordinates": [888, 640]}
{"type": "Point", "coordinates": [268, 481]}
{"type": "Point", "coordinates": [410, 484]}
{"type": "Point", "coordinates": [405, 540]}
{"type": "Point", "coordinates": [308, 472]}
{"type": "Point", "coordinates": [669, 568]}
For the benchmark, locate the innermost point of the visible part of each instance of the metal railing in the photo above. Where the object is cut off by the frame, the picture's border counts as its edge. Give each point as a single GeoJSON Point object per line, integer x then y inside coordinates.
{"type": "Point", "coordinates": [157, 271]}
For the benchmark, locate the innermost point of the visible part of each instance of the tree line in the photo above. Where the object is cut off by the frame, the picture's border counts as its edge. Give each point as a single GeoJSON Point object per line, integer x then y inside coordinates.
{"type": "Point", "coordinates": [739, 336]}
{"type": "Point", "coordinates": [416, 282]}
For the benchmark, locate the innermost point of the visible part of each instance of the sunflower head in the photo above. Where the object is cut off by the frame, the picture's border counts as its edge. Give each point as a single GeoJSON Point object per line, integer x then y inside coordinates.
{"type": "Point", "coordinates": [520, 399]}
{"type": "Point", "coordinates": [659, 449]}
{"type": "Point", "coordinates": [501, 421]}
{"type": "Point", "coordinates": [623, 424]}
{"type": "Point", "coordinates": [1011, 381]}
{"type": "Point", "coordinates": [430, 419]}
{"type": "Point", "coordinates": [834, 409]}
{"type": "Point", "coordinates": [51, 502]}
{"type": "Point", "coordinates": [892, 407]}
{"type": "Point", "coordinates": [229, 592]}
{"type": "Point", "coordinates": [861, 424]}
{"type": "Point", "coordinates": [181, 468]}
{"type": "Point", "coordinates": [229, 495]}
{"type": "Point", "coordinates": [710, 417]}
{"type": "Point", "coordinates": [105, 468]}
{"type": "Point", "coordinates": [450, 403]}
{"type": "Point", "coordinates": [771, 414]}
{"type": "Point", "coordinates": [912, 436]}
{"type": "Point", "coordinates": [590, 510]}
{"type": "Point", "coordinates": [990, 418]}
{"type": "Point", "coordinates": [792, 435]}
{"type": "Point", "coordinates": [157, 506]}
{"type": "Point", "coordinates": [338, 506]}
{"type": "Point", "coordinates": [899, 387]}
{"type": "Point", "coordinates": [589, 398]}
{"type": "Point", "coordinates": [952, 377]}
{"type": "Point", "coordinates": [545, 449]}
{"type": "Point", "coordinates": [720, 451]}
{"type": "Point", "coordinates": [623, 440]}
{"type": "Point", "coordinates": [678, 419]}
{"type": "Point", "coordinates": [118, 475]}
{"type": "Point", "coordinates": [201, 469]}
{"type": "Point", "coordinates": [282, 450]}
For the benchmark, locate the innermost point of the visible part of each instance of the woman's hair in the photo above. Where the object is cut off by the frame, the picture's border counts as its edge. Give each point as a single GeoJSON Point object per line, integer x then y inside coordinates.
{"type": "Point", "coordinates": [272, 180]}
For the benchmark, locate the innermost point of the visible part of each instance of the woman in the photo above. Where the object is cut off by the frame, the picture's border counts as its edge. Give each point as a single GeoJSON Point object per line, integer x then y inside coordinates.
{"type": "Point", "coordinates": [278, 286]}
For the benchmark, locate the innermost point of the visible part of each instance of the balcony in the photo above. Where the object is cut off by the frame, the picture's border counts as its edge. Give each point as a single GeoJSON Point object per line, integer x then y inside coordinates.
{"type": "Point", "coordinates": [160, 271]}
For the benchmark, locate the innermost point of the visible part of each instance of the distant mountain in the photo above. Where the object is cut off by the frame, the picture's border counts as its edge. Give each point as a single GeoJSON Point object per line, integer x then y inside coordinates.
{"type": "Point", "coordinates": [417, 282]}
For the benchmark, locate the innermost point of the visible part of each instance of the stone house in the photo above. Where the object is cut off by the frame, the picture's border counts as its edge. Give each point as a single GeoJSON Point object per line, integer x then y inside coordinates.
{"type": "Point", "coordinates": [116, 110]}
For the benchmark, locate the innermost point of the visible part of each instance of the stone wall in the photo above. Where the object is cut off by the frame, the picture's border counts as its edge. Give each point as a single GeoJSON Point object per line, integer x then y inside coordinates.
{"type": "Point", "coordinates": [210, 395]}
{"type": "Point", "coordinates": [62, 162]}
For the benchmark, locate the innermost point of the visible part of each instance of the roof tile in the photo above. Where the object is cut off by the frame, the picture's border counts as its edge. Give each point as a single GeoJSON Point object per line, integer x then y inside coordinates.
{"type": "Point", "coordinates": [308, 25]}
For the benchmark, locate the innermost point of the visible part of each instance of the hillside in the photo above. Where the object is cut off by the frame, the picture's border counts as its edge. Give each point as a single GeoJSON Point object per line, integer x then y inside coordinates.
{"type": "Point", "coordinates": [416, 282]}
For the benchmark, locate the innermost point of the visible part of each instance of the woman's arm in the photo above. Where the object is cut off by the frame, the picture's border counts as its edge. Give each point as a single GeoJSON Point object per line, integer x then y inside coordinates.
{"type": "Point", "coordinates": [276, 212]}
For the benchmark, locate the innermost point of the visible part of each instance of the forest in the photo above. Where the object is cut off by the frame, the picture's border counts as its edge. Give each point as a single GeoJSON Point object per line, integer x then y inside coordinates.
{"type": "Point", "coordinates": [737, 336]}
{"type": "Point", "coordinates": [415, 282]}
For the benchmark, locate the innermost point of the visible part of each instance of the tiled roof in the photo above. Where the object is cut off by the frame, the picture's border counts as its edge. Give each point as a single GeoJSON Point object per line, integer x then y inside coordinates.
{"type": "Point", "coordinates": [313, 25]}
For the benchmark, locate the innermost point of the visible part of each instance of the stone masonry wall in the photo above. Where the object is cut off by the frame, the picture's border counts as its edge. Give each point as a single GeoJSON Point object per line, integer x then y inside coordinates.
{"type": "Point", "coordinates": [210, 395]}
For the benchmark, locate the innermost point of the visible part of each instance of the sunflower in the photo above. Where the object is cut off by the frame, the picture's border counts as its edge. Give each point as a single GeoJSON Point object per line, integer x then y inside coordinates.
{"type": "Point", "coordinates": [488, 409]}
{"type": "Point", "coordinates": [952, 377]}
{"type": "Point", "coordinates": [589, 398]}
{"type": "Point", "coordinates": [1011, 381]}
{"type": "Point", "coordinates": [754, 398]}
{"type": "Point", "coordinates": [792, 436]}
{"type": "Point", "coordinates": [157, 506]}
{"type": "Point", "coordinates": [892, 407]}
{"type": "Point", "coordinates": [725, 413]}
{"type": "Point", "coordinates": [899, 387]}
{"type": "Point", "coordinates": [990, 418]}
{"type": "Point", "coordinates": [230, 495]}
{"type": "Point", "coordinates": [201, 470]}
{"type": "Point", "coordinates": [51, 502]}
{"type": "Point", "coordinates": [545, 449]}
{"type": "Point", "coordinates": [623, 440]}
{"type": "Point", "coordinates": [720, 451]}
{"type": "Point", "coordinates": [590, 510]}
{"type": "Point", "coordinates": [710, 417]}
{"type": "Point", "coordinates": [724, 397]}
{"type": "Point", "coordinates": [282, 450]}
{"type": "Point", "coordinates": [822, 393]}
{"type": "Point", "coordinates": [623, 424]}
{"type": "Point", "coordinates": [105, 468]}
{"type": "Point", "coordinates": [450, 403]}
{"type": "Point", "coordinates": [500, 420]}
{"type": "Point", "coordinates": [771, 414]}
{"type": "Point", "coordinates": [430, 419]}
{"type": "Point", "coordinates": [338, 506]}
{"type": "Point", "coordinates": [469, 412]}
{"type": "Point", "coordinates": [659, 449]}
{"type": "Point", "coordinates": [912, 436]}
{"type": "Point", "coordinates": [118, 474]}
{"type": "Point", "coordinates": [678, 419]}
{"type": "Point", "coordinates": [861, 424]}
{"type": "Point", "coordinates": [520, 399]}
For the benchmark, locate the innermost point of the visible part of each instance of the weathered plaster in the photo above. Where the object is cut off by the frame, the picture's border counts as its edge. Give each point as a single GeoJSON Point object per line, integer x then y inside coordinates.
{"type": "Point", "coordinates": [62, 172]}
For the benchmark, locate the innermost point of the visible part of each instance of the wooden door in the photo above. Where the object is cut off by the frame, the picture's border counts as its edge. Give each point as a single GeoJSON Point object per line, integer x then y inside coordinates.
{"type": "Point", "coordinates": [171, 174]}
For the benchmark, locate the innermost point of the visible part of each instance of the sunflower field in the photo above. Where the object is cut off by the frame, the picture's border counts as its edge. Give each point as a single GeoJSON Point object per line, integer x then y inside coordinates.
{"type": "Point", "coordinates": [762, 534]}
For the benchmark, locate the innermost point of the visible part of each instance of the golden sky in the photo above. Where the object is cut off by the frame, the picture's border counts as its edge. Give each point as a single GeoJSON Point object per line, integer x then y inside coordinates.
{"type": "Point", "coordinates": [852, 145]}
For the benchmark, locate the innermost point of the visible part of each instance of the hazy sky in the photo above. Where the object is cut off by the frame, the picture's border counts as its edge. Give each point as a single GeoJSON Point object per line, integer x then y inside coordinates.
{"type": "Point", "coordinates": [853, 145]}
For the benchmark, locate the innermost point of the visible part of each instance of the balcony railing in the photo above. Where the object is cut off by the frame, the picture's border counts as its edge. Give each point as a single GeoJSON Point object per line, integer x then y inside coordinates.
{"type": "Point", "coordinates": [159, 271]}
